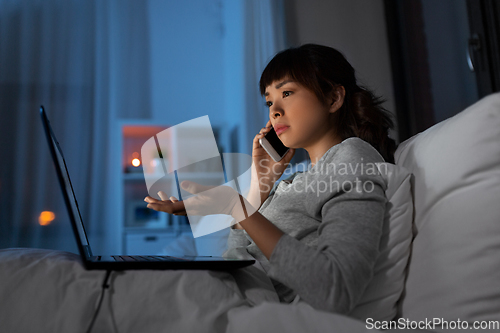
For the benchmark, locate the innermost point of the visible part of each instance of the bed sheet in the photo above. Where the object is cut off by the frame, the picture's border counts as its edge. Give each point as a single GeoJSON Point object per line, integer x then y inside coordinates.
{"type": "Point", "coordinates": [50, 291]}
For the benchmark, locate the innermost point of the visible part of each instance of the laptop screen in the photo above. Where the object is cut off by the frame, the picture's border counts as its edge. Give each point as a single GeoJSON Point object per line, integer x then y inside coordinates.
{"type": "Point", "coordinates": [69, 191]}
{"type": "Point", "coordinates": [60, 165]}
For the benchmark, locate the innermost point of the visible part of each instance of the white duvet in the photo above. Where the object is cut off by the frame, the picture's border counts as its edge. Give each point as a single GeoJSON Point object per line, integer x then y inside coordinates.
{"type": "Point", "coordinates": [50, 291]}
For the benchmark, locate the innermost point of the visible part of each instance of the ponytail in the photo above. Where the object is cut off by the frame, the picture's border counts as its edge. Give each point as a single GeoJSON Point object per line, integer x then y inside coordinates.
{"type": "Point", "coordinates": [363, 116]}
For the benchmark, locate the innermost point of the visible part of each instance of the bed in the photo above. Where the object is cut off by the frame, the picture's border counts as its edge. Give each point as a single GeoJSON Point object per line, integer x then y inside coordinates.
{"type": "Point", "coordinates": [443, 204]}
{"type": "Point", "coordinates": [50, 291]}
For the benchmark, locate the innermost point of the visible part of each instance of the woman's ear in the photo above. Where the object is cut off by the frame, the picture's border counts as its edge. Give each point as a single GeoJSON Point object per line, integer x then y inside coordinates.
{"type": "Point", "coordinates": [337, 99]}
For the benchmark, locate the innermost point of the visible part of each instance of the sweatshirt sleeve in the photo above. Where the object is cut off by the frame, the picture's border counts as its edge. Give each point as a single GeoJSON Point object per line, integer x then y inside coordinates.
{"type": "Point", "coordinates": [334, 275]}
{"type": "Point", "coordinates": [237, 238]}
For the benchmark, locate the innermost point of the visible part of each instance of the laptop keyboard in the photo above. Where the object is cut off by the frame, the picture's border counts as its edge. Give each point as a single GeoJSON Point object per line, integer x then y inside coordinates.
{"type": "Point", "coordinates": [147, 258]}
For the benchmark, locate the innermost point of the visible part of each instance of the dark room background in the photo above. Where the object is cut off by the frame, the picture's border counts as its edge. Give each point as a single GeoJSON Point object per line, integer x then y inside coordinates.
{"type": "Point", "coordinates": [99, 65]}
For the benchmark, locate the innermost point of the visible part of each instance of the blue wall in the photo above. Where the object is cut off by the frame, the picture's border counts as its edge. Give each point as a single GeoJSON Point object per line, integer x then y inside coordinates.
{"type": "Point", "coordinates": [187, 72]}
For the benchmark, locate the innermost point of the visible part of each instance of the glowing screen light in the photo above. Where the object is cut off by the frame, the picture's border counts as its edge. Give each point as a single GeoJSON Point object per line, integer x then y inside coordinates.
{"type": "Point", "coordinates": [46, 217]}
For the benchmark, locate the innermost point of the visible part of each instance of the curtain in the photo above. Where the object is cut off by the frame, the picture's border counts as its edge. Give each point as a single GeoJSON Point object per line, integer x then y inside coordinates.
{"type": "Point", "coordinates": [87, 62]}
{"type": "Point", "coordinates": [254, 33]}
{"type": "Point", "coordinates": [265, 22]}
{"type": "Point", "coordinates": [265, 36]}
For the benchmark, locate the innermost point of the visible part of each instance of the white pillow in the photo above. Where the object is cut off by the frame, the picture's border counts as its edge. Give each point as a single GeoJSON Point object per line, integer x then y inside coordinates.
{"type": "Point", "coordinates": [454, 271]}
{"type": "Point", "coordinates": [380, 298]}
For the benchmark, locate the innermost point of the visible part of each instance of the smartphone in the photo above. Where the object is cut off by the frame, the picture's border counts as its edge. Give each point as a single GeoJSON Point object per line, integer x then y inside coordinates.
{"type": "Point", "coordinates": [273, 145]}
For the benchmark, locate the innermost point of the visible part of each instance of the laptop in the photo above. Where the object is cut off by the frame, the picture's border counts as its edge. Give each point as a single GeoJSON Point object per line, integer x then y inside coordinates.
{"type": "Point", "coordinates": [121, 262]}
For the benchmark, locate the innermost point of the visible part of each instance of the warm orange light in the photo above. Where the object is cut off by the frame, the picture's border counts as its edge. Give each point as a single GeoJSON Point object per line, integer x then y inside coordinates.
{"type": "Point", "coordinates": [46, 217]}
{"type": "Point", "coordinates": [136, 162]}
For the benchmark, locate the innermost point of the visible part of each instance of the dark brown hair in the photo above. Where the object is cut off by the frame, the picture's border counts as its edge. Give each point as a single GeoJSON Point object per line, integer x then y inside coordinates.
{"type": "Point", "coordinates": [322, 68]}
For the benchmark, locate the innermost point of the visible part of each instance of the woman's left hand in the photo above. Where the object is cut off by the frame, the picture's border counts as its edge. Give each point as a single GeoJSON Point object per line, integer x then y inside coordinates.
{"type": "Point", "coordinates": [168, 205]}
{"type": "Point", "coordinates": [208, 200]}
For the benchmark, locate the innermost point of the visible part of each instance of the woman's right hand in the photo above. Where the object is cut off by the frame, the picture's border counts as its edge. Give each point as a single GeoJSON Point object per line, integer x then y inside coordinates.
{"type": "Point", "coordinates": [267, 171]}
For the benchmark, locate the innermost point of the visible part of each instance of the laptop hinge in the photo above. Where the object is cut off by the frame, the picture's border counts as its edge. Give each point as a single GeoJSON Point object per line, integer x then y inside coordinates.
{"type": "Point", "coordinates": [88, 251]}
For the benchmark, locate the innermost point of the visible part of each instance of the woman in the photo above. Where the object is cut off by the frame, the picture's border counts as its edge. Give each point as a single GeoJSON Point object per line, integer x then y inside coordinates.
{"type": "Point", "coordinates": [317, 233]}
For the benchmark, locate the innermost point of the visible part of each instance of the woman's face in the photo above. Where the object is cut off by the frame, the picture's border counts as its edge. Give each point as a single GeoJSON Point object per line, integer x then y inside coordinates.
{"type": "Point", "coordinates": [300, 119]}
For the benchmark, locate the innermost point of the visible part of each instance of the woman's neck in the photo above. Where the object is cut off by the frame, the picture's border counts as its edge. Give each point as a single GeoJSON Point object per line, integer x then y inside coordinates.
{"type": "Point", "coordinates": [319, 149]}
